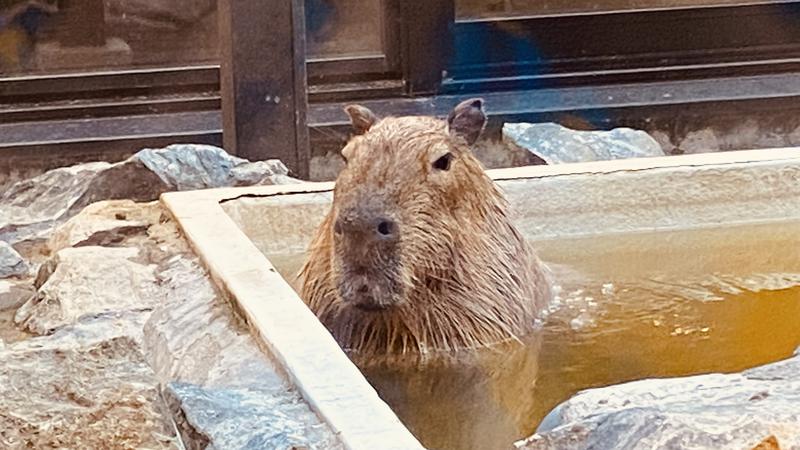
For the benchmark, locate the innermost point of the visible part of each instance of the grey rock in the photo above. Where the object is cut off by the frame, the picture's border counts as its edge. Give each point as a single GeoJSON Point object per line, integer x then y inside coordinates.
{"type": "Point", "coordinates": [232, 396]}
{"type": "Point", "coordinates": [105, 223]}
{"type": "Point", "coordinates": [700, 141]}
{"type": "Point", "coordinates": [500, 154]}
{"type": "Point", "coordinates": [243, 419]}
{"type": "Point", "coordinates": [54, 395]}
{"type": "Point", "coordinates": [92, 330]}
{"type": "Point", "coordinates": [195, 338]}
{"type": "Point", "coordinates": [150, 292]}
{"type": "Point", "coordinates": [556, 144]}
{"type": "Point", "coordinates": [11, 263]}
{"type": "Point", "coordinates": [30, 209]}
{"type": "Point", "coordinates": [664, 141]}
{"type": "Point", "coordinates": [746, 134]}
{"type": "Point", "coordinates": [737, 411]}
{"type": "Point", "coordinates": [13, 293]}
{"type": "Point", "coordinates": [89, 281]}
{"type": "Point", "coordinates": [793, 138]}
{"type": "Point", "coordinates": [188, 167]}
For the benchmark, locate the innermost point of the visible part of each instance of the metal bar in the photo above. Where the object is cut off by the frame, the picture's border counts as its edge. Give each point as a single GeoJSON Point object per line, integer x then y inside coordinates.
{"type": "Point", "coordinates": [528, 104]}
{"type": "Point", "coordinates": [263, 81]}
{"type": "Point", "coordinates": [45, 86]}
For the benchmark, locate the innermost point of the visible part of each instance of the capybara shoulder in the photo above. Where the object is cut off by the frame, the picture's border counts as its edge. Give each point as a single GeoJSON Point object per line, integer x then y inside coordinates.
{"type": "Point", "coordinates": [418, 252]}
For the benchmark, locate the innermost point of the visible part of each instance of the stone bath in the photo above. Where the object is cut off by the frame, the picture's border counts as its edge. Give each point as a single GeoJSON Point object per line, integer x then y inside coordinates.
{"type": "Point", "coordinates": [666, 267]}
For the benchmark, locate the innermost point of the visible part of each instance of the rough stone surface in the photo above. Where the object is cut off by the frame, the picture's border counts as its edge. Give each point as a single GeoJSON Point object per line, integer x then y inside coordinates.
{"type": "Point", "coordinates": [228, 394]}
{"type": "Point", "coordinates": [31, 208]}
{"type": "Point", "coordinates": [107, 223]}
{"type": "Point", "coordinates": [556, 144]}
{"type": "Point", "coordinates": [14, 293]}
{"type": "Point", "coordinates": [498, 154]}
{"type": "Point", "coordinates": [187, 167]}
{"type": "Point", "coordinates": [89, 281]}
{"type": "Point", "coordinates": [59, 394]}
{"type": "Point", "coordinates": [198, 340]}
{"type": "Point", "coordinates": [738, 411]}
{"type": "Point", "coordinates": [146, 287]}
{"type": "Point", "coordinates": [700, 141]}
{"type": "Point", "coordinates": [11, 263]}
{"type": "Point", "coordinates": [212, 419]}
{"type": "Point", "coordinates": [664, 141]}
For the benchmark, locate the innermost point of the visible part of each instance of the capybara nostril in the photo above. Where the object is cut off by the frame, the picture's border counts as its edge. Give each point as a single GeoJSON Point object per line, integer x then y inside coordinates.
{"type": "Point", "coordinates": [386, 227]}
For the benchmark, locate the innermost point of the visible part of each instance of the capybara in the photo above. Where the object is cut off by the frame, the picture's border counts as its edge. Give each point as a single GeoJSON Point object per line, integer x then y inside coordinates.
{"type": "Point", "coordinates": [418, 253]}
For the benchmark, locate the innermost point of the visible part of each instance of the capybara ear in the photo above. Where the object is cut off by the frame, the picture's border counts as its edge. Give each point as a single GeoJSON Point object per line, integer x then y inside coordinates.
{"type": "Point", "coordinates": [361, 118]}
{"type": "Point", "coordinates": [467, 120]}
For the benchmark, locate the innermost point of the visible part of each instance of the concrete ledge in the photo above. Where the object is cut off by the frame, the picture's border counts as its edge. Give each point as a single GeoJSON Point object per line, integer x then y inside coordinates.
{"type": "Point", "coordinates": [327, 379]}
{"type": "Point", "coordinates": [573, 200]}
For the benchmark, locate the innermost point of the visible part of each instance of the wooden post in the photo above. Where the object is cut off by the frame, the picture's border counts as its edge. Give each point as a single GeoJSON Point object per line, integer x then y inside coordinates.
{"type": "Point", "coordinates": [263, 81]}
{"type": "Point", "coordinates": [428, 47]}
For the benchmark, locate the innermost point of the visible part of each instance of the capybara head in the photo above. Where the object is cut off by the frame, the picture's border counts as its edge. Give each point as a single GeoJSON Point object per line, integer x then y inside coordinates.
{"type": "Point", "coordinates": [418, 252]}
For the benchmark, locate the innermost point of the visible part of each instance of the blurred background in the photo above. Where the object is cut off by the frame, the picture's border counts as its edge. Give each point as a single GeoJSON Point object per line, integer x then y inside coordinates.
{"type": "Point", "coordinates": [85, 80]}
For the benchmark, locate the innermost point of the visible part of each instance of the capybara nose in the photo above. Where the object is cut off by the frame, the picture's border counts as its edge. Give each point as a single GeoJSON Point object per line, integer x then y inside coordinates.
{"type": "Point", "coordinates": [381, 228]}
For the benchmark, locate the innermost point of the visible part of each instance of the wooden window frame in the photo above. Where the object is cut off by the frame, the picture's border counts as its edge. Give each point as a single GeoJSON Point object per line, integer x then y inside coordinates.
{"type": "Point", "coordinates": [424, 59]}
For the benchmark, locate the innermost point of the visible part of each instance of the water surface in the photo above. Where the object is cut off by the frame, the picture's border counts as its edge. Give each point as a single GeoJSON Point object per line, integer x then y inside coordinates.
{"type": "Point", "coordinates": [656, 304]}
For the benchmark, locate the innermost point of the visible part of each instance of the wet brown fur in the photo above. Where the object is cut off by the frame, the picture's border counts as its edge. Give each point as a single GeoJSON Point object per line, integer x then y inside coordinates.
{"type": "Point", "coordinates": [468, 277]}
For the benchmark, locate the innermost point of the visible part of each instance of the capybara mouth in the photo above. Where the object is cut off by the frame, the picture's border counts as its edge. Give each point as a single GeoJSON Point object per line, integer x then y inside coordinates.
{"type": "Point", "coordinates": [366, 290]}
{"type": "Point", "coordinates": [370, 306]}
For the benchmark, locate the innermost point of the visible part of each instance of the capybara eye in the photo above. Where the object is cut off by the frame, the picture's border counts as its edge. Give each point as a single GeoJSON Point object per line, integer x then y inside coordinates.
{"type": "Point", "coordinates": [443, 163]}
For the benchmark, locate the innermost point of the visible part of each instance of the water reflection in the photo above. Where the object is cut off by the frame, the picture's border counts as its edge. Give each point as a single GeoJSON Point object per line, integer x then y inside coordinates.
{"type": "Point", "coordinates": [52, 36]}
{"type": "Point", "coordinates": [629, 307]}
{"type": "Point", "coordinates": [39, 36]}
{"type": "Point", "coordinates": [470, 9]}
{"type": "Point", "coordinates": [19, 24]}
{"type": "Point", "coordinates": [471, 400]}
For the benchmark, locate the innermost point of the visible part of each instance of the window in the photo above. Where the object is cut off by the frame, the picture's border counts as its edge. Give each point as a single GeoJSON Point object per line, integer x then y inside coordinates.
{"type": "Point", "coordinates": [482, 9]}
{"type": "Point", "coordinates": [511, 44]}
{"type": "Point", "coordinates": [153, 65]}
{"type": "Point", "coordinates": [48, 37]}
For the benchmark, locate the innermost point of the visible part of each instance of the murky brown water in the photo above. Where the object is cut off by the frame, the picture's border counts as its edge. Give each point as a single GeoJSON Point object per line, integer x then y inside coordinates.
{"type": "Point", "coordinates": [630, 307]}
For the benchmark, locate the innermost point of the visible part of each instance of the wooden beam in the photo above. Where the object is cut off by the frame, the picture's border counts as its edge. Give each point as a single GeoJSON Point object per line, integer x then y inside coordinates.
{"type": "Point", "coordinates": [428, 43]}
{"type": "Point", "coordinates": [263, 81]}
